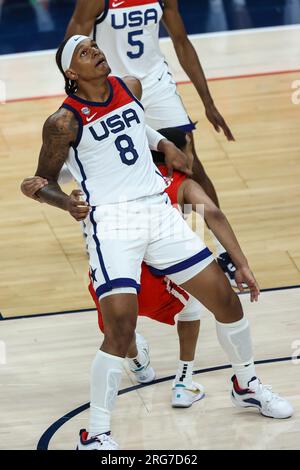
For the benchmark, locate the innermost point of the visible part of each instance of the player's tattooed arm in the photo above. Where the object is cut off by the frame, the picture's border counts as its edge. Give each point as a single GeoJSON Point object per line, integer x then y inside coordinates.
{"type": "Point", "coordinates": [59, 132]}
{"type": "Point", "coordinates": [84, 17]}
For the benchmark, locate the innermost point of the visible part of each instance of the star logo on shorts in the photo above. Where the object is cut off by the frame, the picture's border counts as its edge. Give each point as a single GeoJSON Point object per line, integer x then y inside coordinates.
{"type": "Point", "coordinates": [93, 274]}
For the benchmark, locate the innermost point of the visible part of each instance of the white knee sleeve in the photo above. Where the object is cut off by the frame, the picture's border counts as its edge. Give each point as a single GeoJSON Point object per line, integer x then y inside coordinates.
{"type": "Point", "coordinates": [193, 310]}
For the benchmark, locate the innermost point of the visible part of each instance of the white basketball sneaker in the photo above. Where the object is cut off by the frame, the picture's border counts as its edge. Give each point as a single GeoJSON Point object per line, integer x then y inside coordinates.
{"type": "Point", "coordinates": [183, 396]}
{"type": "Point", "coordinates": [143, 372]}
{"type": "Point", "coordinates": [100, 442]}
{"type": "Point", "coordinates": [261, 397]}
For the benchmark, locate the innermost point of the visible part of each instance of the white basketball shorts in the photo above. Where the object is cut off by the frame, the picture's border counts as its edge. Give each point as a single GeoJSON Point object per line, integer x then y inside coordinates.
{"type": "Point", "coordinates": [121, 236]}
{"type": "Point", "coordinates": [163, 105]}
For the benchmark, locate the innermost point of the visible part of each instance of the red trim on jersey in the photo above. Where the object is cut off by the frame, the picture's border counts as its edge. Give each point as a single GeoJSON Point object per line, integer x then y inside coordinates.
{"type": "Point", "coordinates": [116, 4]}
{"type": "Point", "coordinates": [176, 182]}
{"type": "Point", "coordinates": [118, 98]}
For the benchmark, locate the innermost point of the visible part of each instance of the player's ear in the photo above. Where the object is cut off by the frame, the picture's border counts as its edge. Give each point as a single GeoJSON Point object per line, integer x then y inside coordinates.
{"type": "Point", "coordinates": [71, 75]}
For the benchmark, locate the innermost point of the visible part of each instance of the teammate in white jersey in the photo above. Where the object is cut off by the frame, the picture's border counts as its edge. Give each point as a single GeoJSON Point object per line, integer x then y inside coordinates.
{"type": "Point", "coordinates": [128, 32]}
{"type": "Point", "coordinates": [123, 234]}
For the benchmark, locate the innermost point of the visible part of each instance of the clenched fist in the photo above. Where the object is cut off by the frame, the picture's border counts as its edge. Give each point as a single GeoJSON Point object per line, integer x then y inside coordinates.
{"type": "Point", "coordinates": [78, 208]}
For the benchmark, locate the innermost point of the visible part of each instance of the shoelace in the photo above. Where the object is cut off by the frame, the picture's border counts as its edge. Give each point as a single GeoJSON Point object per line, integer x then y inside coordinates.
{"type": "Point", "coordinates": [105, 438]}
{"type": "Point", "coordinates": [267, 392]}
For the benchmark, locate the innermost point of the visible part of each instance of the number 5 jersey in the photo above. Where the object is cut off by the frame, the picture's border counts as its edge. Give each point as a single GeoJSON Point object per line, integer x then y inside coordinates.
{"type": "Point", "coordinates": [127, 32]}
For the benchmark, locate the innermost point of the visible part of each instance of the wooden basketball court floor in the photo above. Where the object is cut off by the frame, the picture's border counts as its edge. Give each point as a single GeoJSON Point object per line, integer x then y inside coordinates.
{"type": "Point", "coordinates": [45, 360]}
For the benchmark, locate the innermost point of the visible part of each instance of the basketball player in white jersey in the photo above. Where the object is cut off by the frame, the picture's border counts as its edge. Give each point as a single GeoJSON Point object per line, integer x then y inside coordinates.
{"type": "Point", "coordinates": [128, 32]}
{"type": "Point", "coordinates": [100, 133]}
{"type": "Point", "coordinates": [159, 299]}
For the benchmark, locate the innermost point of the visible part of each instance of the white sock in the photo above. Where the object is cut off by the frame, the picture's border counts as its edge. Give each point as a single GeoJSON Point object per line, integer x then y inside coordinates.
{"type": "Point", "coordinates": [244, 374]}
{"type": "Point", "coordinates": [185, 372]}
{"type": "Point", "coordinates": [106, 375]}
{"type": "Point", "coordinates": [219, 248]}
{"type": "Point", "coordinates": [235, 339]}
{"type": "Point", "coordinates": [138, 362]}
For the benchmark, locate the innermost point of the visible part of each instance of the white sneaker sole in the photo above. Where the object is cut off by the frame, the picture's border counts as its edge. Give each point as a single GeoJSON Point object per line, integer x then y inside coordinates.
{"type": "Point", "coordinates": [187, 404]}
{"type": "Point", "coordinates": [150, 376]}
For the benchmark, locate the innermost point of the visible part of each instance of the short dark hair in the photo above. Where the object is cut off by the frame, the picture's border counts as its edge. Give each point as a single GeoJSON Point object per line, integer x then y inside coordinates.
{"type": "Point", "coordinates": [70, 85]}
{"type": "Point", "coordinates": [175, 135]}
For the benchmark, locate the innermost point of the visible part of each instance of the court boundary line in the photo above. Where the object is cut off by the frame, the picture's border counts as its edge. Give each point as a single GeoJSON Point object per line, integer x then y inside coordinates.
{"type": "Point", "coordinates": [46, 437]}
{"type": "Point", "coordinates": [250, 75]}
{"type": "Point", "coordinates": [184, 82]}
{"type": "Point", "coordinates": [212, 34]}
{"type": "Point", "coordinates": [68, 312]}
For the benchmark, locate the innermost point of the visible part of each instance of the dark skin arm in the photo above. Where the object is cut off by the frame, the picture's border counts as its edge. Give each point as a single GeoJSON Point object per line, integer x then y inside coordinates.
{"type": "Point", "coordinates": [59, 132]}
{"type": "Point", "coordinates": [190, 63]}
{"type": "Point", "coordinates": [31, 185]}
{"type": "Point", "coordinates": [191, 192]}
{"type": "Point", "coordinates": [84, 17]}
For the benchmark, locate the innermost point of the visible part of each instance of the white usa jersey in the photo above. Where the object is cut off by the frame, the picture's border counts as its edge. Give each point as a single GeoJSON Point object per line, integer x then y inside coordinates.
{"type": "Point", "coordinates": [128, 33]}
{"type": "Point", "coordinates": [111, 159]}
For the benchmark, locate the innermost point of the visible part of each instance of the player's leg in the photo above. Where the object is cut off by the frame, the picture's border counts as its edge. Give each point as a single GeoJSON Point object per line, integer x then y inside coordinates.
{"type": "Point", "coordinates": [212, 289]}
{"type": "Point", "coordinates": [183, 257]}
{"type": "Point", "coordinates": [188, 332]}
{"type": "Point", "coordinates": [119, 313]}
{"type": "Point", "coordinates": [133, 349]}
{"type": "Point", "coordinates": [185, 391]}
{"type": "Point", "coordinates": [137, 356]}
{"type": "Point", "coordinates": [115, 264]}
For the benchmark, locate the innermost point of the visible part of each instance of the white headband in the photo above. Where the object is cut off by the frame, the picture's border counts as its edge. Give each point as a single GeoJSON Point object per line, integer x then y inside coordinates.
{"type": "Point", "coordinates": [68, 51]}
